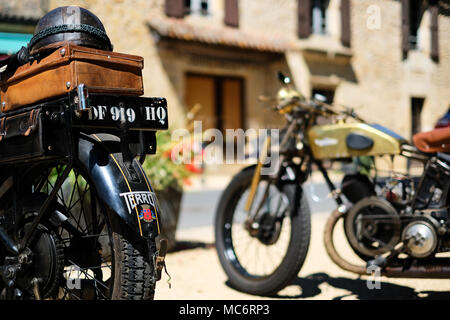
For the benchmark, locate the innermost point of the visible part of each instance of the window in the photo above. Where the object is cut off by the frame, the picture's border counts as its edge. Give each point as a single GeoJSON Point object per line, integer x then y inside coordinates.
{"type": "Point", "coordinates": [313, 19]}
{"type": "Point", "coordinates": [319, 16]}
{"type": "Point", "coordinates": [416, 11]}
{"type": "Point", "coordinates": [416, 123]}
{"type": "Point", "coordinates": [412, 13]}
{"type": "Point", "coordinates": [327, 93]}
{"type": "Point", "coordinates": [200, 7]}
{"type": "Point", "coordinates": [416, 112]}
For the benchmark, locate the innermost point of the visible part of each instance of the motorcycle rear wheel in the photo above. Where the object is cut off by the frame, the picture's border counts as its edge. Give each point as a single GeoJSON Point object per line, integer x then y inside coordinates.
{"type": "Point", "coordinates": [99, 260]}
{"type": "Point", "coordinates": [131, 273]}
{"type": "Point", "coordinates": [295, 223]}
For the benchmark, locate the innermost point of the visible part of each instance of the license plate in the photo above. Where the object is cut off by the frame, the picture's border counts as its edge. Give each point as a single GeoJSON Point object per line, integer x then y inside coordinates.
{"type": "Point", "coordinates": [132, 113]}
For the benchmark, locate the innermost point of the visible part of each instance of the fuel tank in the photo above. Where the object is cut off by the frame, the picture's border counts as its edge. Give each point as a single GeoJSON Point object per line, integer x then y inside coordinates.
{"type": "Point", "coordinates": [346, 140]}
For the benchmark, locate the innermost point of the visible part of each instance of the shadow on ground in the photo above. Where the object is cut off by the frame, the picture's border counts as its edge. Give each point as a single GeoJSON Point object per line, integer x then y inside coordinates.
{"type": "Point", "coordinates": [189, 245]}
{"type": "Point", "coordinates": [358, 288]}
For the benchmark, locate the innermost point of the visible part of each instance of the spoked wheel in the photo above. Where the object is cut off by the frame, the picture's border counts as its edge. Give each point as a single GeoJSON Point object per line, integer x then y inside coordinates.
{"type": "Point", "coordinates": [266, 255]}
{"type": "Point", "coordinates": [85, 236]}
{"type": "Point", "coordinates": [89, 259]}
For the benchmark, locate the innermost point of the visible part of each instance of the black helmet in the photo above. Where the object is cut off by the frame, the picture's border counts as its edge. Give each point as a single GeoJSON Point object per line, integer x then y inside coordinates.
{"type": "Point", "coordinates": [69, 24]}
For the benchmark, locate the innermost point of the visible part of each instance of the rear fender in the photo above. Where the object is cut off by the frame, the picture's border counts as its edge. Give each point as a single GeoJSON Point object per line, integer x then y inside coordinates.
{"type": "Point", "coordinates": [126, 192]}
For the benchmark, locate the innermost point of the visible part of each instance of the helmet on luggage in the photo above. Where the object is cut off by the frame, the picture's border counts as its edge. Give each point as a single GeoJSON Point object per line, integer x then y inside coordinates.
{"type": "Point", "coordinates": [69, 24]}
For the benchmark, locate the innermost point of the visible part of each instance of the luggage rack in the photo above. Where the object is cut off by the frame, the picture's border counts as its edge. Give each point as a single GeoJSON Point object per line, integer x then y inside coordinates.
{"type": "Point", "coordinates": [46, 130]}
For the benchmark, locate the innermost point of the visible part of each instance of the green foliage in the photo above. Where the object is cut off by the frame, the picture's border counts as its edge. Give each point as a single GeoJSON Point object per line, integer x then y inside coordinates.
{"type": "Point", "coordinates": [161, 170]}
{"type": "Point", "coordinates": [365, 164]}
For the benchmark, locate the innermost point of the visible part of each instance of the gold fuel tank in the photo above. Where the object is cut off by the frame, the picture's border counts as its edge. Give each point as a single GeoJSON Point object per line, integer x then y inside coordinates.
{"type": "Point", "coordinates": [346, 140]}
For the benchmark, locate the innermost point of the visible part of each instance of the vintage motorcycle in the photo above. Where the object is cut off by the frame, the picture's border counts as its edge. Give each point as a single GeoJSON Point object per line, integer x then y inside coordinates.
{"type": "Point", "coordinates": [78, 216]}
{"type": "Point", "coordinates": [397, 224]}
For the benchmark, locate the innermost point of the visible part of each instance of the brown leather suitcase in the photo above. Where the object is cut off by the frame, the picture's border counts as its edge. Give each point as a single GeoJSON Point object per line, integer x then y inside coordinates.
{"type": "Point", "coordinates": [67, 67]}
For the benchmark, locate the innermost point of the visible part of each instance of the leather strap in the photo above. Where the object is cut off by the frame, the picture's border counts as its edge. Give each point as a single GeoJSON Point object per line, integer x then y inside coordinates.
{"type": "Point", "coordinates": [2, 128]}
{"type": "Point", "coordinates": [31, 121]}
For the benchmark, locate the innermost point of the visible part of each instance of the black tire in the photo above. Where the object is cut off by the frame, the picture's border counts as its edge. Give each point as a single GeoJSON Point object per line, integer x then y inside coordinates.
{"type": "Point", "coordinates": [134, 275]}
{"type": "Point", "coordinates": [297, 248]}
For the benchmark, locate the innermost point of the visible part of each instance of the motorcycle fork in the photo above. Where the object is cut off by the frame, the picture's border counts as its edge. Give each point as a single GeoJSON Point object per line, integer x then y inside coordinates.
{"type": "Point", "coordinates": [252, 215]}
{"type": "Point", "coordinates": [257, 176]}
{"type": "Point", "coordinates": [261, 160]}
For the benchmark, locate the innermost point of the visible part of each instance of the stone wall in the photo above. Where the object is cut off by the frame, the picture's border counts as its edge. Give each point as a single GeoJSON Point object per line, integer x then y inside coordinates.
{"type": "Point", "coordinates": [385, 82]}
{"type": "Point", "coordinates": [381, 91]}
{"type": "Point", "coordinates": [31, 9]}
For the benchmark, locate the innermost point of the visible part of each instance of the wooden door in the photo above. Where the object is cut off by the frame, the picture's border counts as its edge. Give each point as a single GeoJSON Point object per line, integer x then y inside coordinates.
{"type": "Point", "coordinates": [232, 104]}
{"type": "Point", "coordinates": [201, 89]}
{"type": "Point", "coordinates": [221, 100]}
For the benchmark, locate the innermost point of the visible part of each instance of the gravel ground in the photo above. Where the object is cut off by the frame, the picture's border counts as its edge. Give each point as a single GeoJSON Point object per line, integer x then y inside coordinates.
{"type": "Point", "coordinates": [197, 275]}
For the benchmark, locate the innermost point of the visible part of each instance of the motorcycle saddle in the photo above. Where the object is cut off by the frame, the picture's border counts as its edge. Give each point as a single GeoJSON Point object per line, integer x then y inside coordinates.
{"type": "Point", "coordinates": [437, 140]}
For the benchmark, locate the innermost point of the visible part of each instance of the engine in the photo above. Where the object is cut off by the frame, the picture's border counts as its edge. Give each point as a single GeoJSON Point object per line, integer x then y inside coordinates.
{"type": "Point", "coordinates": [400, 209]}
{"type": "Point", "coordinates": [373, 227]}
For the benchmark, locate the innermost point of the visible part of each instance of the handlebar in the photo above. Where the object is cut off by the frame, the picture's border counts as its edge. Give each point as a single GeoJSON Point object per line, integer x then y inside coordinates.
{"type": "Point", "coordinates": [312, 106]}
{"type": "Point", "coordinates": [317, 107]}
{"type": "Point", "coordinates": [286, 103]}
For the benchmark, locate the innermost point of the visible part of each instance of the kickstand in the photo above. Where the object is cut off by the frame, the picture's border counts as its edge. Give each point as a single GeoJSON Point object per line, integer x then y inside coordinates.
{"type": "Point", "coordinates": [160, 262]}
{"type": "Point", "coordinates": [35, 283]}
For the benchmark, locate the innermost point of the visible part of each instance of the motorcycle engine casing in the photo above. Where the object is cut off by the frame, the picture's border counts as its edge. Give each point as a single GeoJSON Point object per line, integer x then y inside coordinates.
{"type": "Point", "coordinates": [421, 239]}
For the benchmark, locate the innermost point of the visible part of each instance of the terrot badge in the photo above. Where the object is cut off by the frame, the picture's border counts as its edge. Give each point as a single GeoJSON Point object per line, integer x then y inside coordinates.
{"type": "Point", "coordinates": [146, 202]}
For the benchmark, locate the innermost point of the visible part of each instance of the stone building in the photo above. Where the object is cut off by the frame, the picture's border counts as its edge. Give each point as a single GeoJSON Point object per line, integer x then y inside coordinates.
{"type": "Point", "coordinates": [389, 59]}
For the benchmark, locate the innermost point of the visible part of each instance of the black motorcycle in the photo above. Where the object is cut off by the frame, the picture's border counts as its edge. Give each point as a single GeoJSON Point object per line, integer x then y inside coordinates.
{"type": "Point", "coordinates": [78, 216]}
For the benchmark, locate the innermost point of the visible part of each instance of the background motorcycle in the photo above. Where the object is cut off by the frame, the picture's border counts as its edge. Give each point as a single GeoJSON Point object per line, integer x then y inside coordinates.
{"type": "Point", "coordinates": [397, 224]}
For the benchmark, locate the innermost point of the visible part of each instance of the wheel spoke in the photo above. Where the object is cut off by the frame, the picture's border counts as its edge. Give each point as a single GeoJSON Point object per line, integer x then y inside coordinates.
{"type": "Point", "coordinates": [83, 270]}
{"type": "Point", "coordinates": [73, 191]}
{"type": "Point", "coordinates": [79, 205]}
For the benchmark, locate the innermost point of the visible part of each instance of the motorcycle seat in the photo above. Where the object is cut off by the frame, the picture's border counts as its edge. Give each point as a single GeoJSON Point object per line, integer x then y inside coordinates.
{"type": "Point", "coordinates": [437, 140]}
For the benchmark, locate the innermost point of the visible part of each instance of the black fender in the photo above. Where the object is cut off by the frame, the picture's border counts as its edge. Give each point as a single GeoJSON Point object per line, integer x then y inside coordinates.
{"type": "Point", "coordinates": [119, 186]}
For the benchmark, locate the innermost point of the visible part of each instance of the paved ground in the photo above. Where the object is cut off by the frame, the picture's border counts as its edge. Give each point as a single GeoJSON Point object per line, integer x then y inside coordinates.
{"type": "Point", "coordinates": [197, 274]}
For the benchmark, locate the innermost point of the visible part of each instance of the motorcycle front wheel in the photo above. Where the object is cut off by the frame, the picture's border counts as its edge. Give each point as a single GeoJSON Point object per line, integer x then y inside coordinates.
{"type": "Point", "coordinates": [264, 258]}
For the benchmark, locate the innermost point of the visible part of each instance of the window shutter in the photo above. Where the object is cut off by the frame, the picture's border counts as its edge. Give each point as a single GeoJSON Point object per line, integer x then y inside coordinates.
{"type": "Point", "coordinates": [231, 13]}
{"type": "Point", "coordinates": [304, 18]}
{"type": "Point", "coordinates": [175, 8]}
{"type": "Point", "coordinates": [345, 23]}
{"type": "Point", "coordinates": [405, 27]}
{"type": "Point", "coordinates": [434, 12]}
